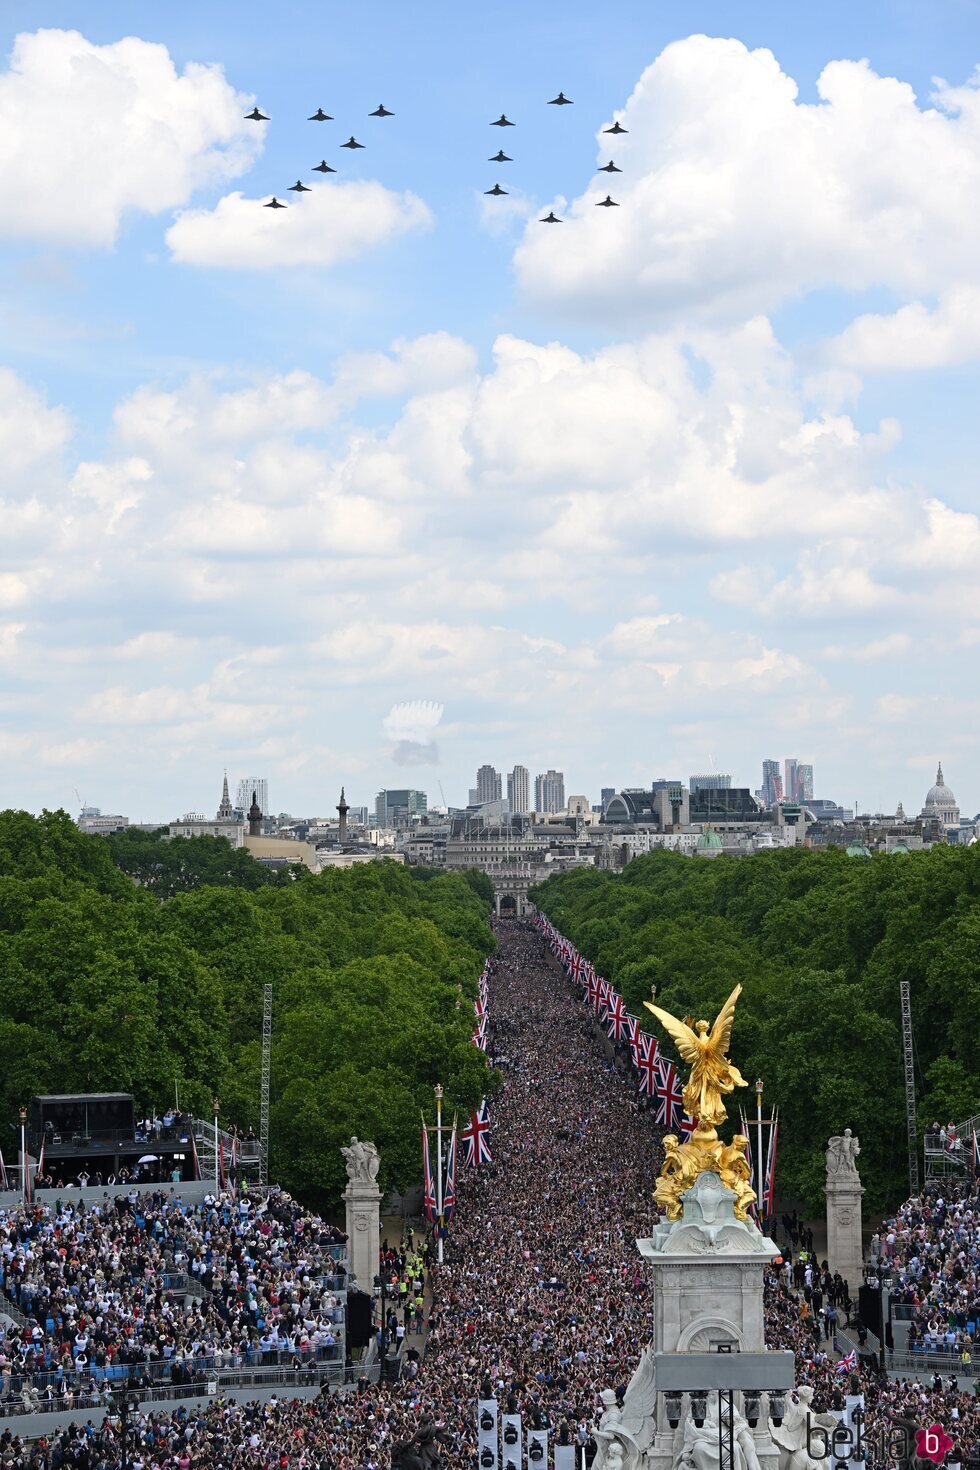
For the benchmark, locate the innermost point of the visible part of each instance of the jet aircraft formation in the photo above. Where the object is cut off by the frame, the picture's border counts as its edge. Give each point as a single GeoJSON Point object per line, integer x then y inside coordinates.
{"type": "Point", "coordinates": [503, 121]}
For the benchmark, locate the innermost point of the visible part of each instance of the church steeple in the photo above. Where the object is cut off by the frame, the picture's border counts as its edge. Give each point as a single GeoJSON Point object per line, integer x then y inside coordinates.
{"type": "Point", "coordinates": [225, 809]}
{"type": "Point", "coordinates": [343, 809]}
{"type": "Point", "coordinates": [255, 818]}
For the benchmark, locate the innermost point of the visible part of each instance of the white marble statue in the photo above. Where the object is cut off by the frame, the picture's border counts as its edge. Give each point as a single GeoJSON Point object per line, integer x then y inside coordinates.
{"type": "Point", "coordinates": [790, 1437]}
{"type": "Point", "coordinates": [625, 1434]}
{"type": "Point", "coordinates": [700, 1448]}
{"type": "Point", "coordinates": [362, 1161]}
{"type": "Point", "coordinates": [842, 1153]}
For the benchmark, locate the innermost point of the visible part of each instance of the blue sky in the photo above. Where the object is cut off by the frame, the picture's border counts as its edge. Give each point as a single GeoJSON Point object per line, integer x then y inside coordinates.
{"type": "Point", "coordinates": [691, 480]}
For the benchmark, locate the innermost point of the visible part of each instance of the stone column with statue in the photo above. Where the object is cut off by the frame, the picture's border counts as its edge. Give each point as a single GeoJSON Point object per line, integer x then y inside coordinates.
{"type": "Point", "coordinates": [707, 1259]}
{"type": "Point", "coordinates": [845, 1246]}
{"type": "Point", "coordinates": [362, 1198]}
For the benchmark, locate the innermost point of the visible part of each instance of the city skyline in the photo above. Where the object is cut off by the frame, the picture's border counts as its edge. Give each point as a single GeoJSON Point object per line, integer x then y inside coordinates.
{"type": "Point", "coordinates": [369, 488]}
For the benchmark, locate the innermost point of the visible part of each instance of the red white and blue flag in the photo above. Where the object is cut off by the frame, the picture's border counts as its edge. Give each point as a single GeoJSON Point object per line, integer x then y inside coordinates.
{"type": "Point", "coordinates": [197, 1162]}
{"type": "Point", "coordinates": [976, 1153]}
{"type": "Point", "coordinates": [670, 1100]}
{"type": "Point", "coordinates": [746, 1131]}
{"type": "Point", "coordinates": [615, 1015]}
{"type": "Point", "coordinates": [428, 1183]}
{"type": "Point", "coordinates": [648, 1064]}
{"type": "Point", "coordinates": [449, 1193]}
{"type": "Point", "coordinates": [688, 1125]}
{"type": "Point", "coordinates": [769, 1187]}
{"type": "Point", "coordinates": [476, 1138]}
{"type": "Point", "coordinates": [846, 1364]}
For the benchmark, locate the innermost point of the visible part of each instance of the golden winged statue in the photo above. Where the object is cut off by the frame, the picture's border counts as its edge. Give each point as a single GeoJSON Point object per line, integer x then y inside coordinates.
{"type": "Point", "coordinates": [712, 1077]}
{"type": "Point", "coordinates": [712, 1074]}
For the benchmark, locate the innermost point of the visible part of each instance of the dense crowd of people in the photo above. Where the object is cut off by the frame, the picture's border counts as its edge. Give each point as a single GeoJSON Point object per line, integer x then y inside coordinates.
{"type": "Point", "coordinates": [542, 1298]}
{"type": "Point", "coordinates": [146, 1286]}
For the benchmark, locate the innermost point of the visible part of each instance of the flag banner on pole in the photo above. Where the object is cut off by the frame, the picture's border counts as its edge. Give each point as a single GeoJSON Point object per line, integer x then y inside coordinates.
{"type": "Point", "coordinates": [769, 1190]}
{"type": "Point", "coordinates": [476, 1138]}
{"type": "Point", "coordinates": [197, 1162]}
{"type": "Point", "coordinates": [428, 1183]}
{"type": "Point", "coordinates": [616, 1016]}
{"type": "Point", "coordinates": [648, 1064]}
{"type": "Point", "coordinates": [39, 1171]}
{"type": "Point", "coordinates": [222, 1171]}
{"type": "Point", "coordinates": [976, 1153]}
{"type": "Point", "coordinates": [746, 1133]}
{"type": "Point", "coordinates": [688, 1125]}
{"type": "Point", "coordinates": [846, 1364]}
{"type": "Point", "coordinates": [449, 1193]}
{"type": "Point", "coordinates": [233, 1172]}
{"type": "Point", "coordinates": [670, 1101]}
{"type": "Point", "coordinates": [3, 1173]}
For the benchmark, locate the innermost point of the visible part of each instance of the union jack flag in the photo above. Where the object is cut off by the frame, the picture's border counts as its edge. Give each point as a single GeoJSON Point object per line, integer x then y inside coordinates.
{"type": "Point", "coordinates": [688, 1125]}
{"type": "Point", "coordinates": [647, 1063]}
{"type": "Point", "coordinates": [449, 1194]}
{"type": "Point", "coordinates": [428, 1183]}
{"type": "Point", "coordinates": [476, 1138]}
{"type": "Point", "coordinates": [846, 1364]}
{"type": "Point", "coordinates": [615, 1016]}
{"type": "Point", "coordinates": [670, 1099]}
{"type": "Point", "coordinates": [747, 1132]}
{"type": "Point", "coordinates": [769, 1188]}
{"type": "Point", "coordinates": [976, 1153]}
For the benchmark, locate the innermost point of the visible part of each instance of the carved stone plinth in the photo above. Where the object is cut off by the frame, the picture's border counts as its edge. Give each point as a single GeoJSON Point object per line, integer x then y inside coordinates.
{"type": "Point", "coordinates": [362, 1197]}
{"type": "Point", "coordinates": [845, 1245]}
{"type": "Point", "coordinates": [707, 1273]}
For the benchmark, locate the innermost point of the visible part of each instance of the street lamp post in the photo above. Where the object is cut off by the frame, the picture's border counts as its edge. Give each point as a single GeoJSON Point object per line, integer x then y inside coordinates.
{"type": "Point", "coordinates": [758, 1141]}
{"type": "Point", "coordinates": [128, 1401]}
{"type": "Point", "coordinates": [23, 1152]}
{"type": "Point", "coordinates": [380, 1282]}
{"type": "Point", "coordinates": [217, 1181]}
{"type": "Point", "coordinates": [438, 1092]}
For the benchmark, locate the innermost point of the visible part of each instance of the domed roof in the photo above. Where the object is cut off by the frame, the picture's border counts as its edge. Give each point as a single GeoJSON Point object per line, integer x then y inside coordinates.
{"type": "Point", "coordinates": [900, 847]}
{"type": "Point", "coordinates": [857, 849]}
{"type": "Point", "coordinates": [940, 794]}
{"type": "Point", "coordinates": [709, 840]}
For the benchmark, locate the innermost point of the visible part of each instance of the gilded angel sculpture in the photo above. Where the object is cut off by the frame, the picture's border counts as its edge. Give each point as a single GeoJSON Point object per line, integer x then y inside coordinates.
{"type": "Point", "coordinates": [712, 1074]}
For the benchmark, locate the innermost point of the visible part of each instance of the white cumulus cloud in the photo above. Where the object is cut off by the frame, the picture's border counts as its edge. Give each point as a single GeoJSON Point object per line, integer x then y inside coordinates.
{"type": "Point", "coordinates": [93, 132]}
{"type": "Point", "coordinates": [332, 223]}
{"type": "Point", "coordinates": [736, 196]}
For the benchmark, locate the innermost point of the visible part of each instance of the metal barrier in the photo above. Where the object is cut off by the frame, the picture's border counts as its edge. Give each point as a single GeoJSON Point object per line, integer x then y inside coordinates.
{"type": "Point", "coordinates": [942, 1363]}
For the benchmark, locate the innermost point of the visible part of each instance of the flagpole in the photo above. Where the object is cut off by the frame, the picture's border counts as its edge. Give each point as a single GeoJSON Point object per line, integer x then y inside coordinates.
{"type": "Point", "coordinates": [217, 1180]}
{"type": "Point", "coordinates": [438, 1092]}
{"type": "Point", "coordinates": [23, 1152]}
{"type": "Point", "coordinates": [761, 1176]}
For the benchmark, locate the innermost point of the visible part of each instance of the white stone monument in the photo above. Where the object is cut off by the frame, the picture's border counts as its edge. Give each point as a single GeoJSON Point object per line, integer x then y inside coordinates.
{"type": "Point", "coordinates": [845, 1247]}
{"type": "Point", "coordinates": [363, 1200]}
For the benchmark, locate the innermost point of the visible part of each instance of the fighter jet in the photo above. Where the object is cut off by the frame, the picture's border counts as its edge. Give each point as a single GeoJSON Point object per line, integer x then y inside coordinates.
{"type": "Point", "coordinates": [495, 190]}
{"type": "Point", "coordinates": [299, 187]}
{"type": "Point", "coordinates": [617, 127]}
{"type": "Point", "coordinates": [274, 204]}
{"type": "Point", "coordinates": [256, 116]}
{"type": "Point", "coordinates": [606, 203]}
{"type": "Point", "coordinates": [352, 143]}
{"type": "Point", "coordinates": [560, 101]}
{"type": "Point", "coordinates": [550, 219]}
{"type": "Point", "coordinates": [320, 116]}
{"type": "Point", "coordinates": [381, 111]}
{"type": "Point", "coordinates": [500, 157]}
{"type": "Point", "coordinates": [503, 122]}
{"type": "Point", "coordinates": [323, 167]}
{"type": "Point", "coordinates": [609, 168]}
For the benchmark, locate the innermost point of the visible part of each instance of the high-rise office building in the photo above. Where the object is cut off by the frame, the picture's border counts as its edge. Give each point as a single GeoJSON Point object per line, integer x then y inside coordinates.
{"type": "Point", "coordinates": [804, 780]}
{"type": "Point", "coordinates": [260, 786]}
{"type": "Point", "coordinates": [488, 785]}
{"type": "Point", "coordinates": [772, 783]}
{"type": "Point", "coordinates": [519, 790]}
{"type": "Point", "coordinates": [605, 796]}
{"type": "Point", "coordinates": [549, 791]}
{"type": "Point", "coordinates": [712, 781]}
{"type": "Point", "coordinates": [394, 807]}
{"type": "Point", "coordinates": [791, 778]}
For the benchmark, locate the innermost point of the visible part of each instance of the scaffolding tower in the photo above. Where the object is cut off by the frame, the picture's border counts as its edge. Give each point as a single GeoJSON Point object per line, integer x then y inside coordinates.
{"type": "Point", "coordinates": [266, 1078]}
{"type": "Point", "coordinates": [909, 1088]}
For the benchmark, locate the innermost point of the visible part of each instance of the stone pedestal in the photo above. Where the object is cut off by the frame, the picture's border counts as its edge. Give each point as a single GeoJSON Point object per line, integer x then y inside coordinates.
{"type": "Point", "coordinates": [707, 1271]}
{"type": "Point", "coordinates": [845, 1246]}
{"type": "Point", "coordinates": [362, 1197]}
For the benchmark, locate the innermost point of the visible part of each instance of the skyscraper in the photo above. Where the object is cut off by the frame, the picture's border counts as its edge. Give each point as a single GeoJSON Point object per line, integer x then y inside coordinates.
{"type": "Point", "coordinates": [713, 781]}
{"type": "Point", "coordinates": [772, 783]}
{"type": "Point", "coordinates": [519, 790]}
{"type": "Point", "coordinates": [549, 791]}
{"type": "Point", "coordinates": [488, 785]}
{"type": "Point", "coordinates": [606, 795]}
{"type": "Point", "coordinates": [791, 781]}
{"type": "Point", "coordinates": [804, 780]}
{"type": "Point", "coordinates": [392, 807]}
{"type": "Point", "coordinates": [260, 786]}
